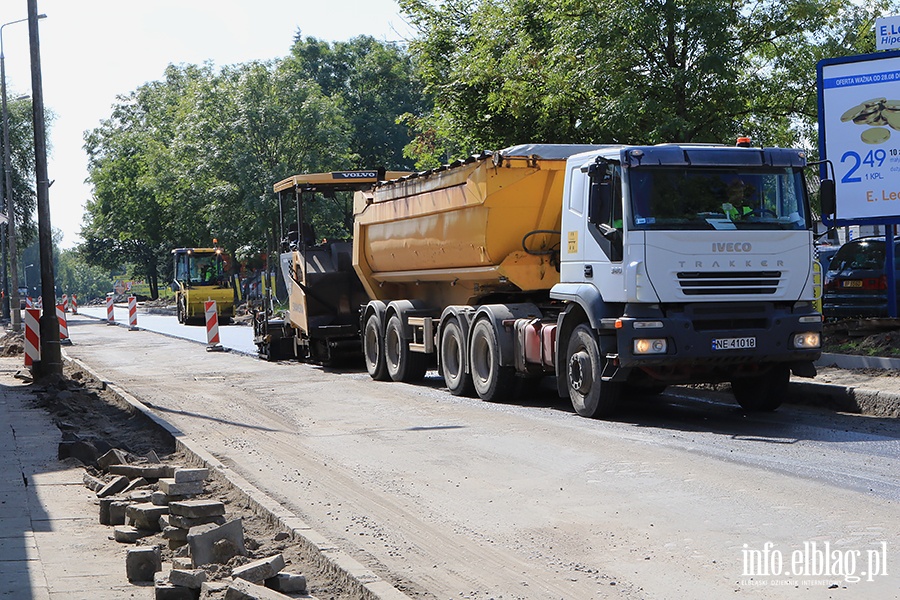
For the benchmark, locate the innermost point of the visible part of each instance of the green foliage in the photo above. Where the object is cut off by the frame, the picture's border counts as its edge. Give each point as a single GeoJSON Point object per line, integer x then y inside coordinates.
{"type": "Point", "coordinates": [374, 83]}
{"type": "Point", "coordinates": [21, 144]}
{"type": "Point", "coordinates": [194, 156]}
{"type": "Point", "coordinates": [75, 276]}
{"type": "Point", "coordinates": [504, 72]}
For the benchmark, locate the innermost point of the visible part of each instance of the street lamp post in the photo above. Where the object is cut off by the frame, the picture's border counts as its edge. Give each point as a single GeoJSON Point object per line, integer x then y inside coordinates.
{"type": "Point", "coordinates": [51, 353]}
{"type": "Point", "coordinates": [12, 294]}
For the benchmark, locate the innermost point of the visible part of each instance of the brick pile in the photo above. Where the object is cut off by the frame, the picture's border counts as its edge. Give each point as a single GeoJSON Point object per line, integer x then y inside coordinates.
{"type": "Point", "coordinates": [144, 500]}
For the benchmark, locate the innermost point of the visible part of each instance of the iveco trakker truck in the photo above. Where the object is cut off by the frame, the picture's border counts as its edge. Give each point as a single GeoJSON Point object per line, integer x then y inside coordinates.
{"type": "Point", "coordinates": [617, 270]}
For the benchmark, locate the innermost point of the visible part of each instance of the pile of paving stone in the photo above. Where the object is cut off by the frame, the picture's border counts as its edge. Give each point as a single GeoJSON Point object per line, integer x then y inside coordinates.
{"type": "Point", "coordinates": [144, 499]}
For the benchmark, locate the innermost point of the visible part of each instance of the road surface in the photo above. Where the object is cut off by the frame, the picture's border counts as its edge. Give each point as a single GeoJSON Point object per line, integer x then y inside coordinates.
{"type": "Point", "coordinates": [238, 338]}
{"type": "Point", "coordinates": [682, 496]}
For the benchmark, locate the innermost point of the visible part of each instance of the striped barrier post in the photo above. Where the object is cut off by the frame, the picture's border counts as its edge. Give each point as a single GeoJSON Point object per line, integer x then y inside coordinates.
{"type": "Point", "coordinates": [29, 303]}
{"type": "Point", "coordinates": [65, 302]}
{"type": "Point", "coordinates": [110, 310]}
{"type": "Point", "coordinates": [74, 301]}
{"type": "Point", "coordinates": [132, 313]}
{"type": "Point", "coordinates": [39, 303]}
{"type": "Point", "coordinates": [32, 336]}
{"type": "Point", "coordinates": [212, 326]}
{"type": "Point", "coordinates": [63, 324]}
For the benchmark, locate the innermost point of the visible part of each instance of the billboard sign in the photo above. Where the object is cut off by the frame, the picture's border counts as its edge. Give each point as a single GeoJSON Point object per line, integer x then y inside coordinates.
{"type": "Point", "coordinates": [887, 33]}
{"type": "Point", "coordinates": [859, 132]}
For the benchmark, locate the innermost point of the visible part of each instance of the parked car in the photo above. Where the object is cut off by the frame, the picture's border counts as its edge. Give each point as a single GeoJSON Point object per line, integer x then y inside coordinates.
{"type": "Point", "coordinates": [856, 282]}
{"type": "Point", "coordinates": [824, 253]}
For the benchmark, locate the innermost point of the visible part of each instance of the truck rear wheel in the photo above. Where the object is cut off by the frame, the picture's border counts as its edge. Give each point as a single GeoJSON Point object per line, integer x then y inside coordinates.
{"type": "Point", "coordinates": [492, 382]}
{"type": "Point", "coordinates": [373, 349]}
{"type": "Point", "coordinates": [762, 393]}
{"type": "Point", "coordinates": [402, 364]}
{"type": "Point", "coordinates": [453, 349]}
{"type": "Point", "coordinates": [590, 395]}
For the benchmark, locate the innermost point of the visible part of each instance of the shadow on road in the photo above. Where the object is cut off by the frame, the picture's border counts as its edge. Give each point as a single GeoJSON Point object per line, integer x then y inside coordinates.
{"type": "Point", "coordinates": [185, 413]}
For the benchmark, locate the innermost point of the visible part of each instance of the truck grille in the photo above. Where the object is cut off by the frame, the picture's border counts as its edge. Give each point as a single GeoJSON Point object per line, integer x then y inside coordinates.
{"type": "Point", "coordinates": [718, 283]}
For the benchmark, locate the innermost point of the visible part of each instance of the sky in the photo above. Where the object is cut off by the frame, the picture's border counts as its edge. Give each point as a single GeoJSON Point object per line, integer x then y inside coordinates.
{"type": "Point", "coordinates": [94, 50]}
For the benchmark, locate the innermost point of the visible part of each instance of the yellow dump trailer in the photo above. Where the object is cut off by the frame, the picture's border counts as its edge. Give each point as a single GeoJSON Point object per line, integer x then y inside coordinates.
{"type": "Point", "coordinates": [475, 228]}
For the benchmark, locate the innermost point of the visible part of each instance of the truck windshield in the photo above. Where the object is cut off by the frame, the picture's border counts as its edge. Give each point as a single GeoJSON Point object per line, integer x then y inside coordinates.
{"type": "Point", "coordinates": [698, 198]}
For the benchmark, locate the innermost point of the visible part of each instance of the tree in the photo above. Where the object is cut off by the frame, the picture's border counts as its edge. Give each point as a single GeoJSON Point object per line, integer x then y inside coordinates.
{"type": "Point", "coordinates": [257, 124]}
{"type": "Point", "coordinates": [21, 144]}
{"type": "Point", "coordinates": [637, 71]}
{"type": "Point", "coordinates": [375, 83]}
{"type": "Point", "coordinates": [193, 157]}
{"type": "Point", "coordinates": [127, 164]}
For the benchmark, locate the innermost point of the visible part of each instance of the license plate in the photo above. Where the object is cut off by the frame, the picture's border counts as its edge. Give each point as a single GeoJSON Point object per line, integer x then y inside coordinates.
{"type": "Point", "coordinates": [854, 283]}
{"type": "Point", "coordinates": [741, 343]}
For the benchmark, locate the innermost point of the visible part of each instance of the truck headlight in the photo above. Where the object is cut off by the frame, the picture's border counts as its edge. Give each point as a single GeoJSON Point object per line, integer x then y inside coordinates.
{"type": "Point", "coordinates": [810, 339]}
{"type": "Point", "coordinates": [650, 346]}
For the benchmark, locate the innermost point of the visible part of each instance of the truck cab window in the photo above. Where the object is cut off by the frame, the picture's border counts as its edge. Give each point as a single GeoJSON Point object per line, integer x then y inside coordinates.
{"type": "Point", "coordinates": [682, 198]}
{"type": "Point", "coordinates": [605, 205]}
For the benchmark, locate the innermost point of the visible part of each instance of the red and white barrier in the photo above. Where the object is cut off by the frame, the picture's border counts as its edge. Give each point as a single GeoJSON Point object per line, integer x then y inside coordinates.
{"type": "Point", "coordinates": [212, 325]}
{"type": "Point", "coordinates": [110, 311]}
{"type": "Point", "coordinates": [29, 303]}
{"type": "Point", "coordinates": [65, 302]}
{"type": "Point", "coordinates": [132, 313]}
{"type": "Point", "coordinates": [32, 336]}
{"type": "Point", "coordinates": [63, 324]}
{"type": "Point", "coordinates": [74, 303]}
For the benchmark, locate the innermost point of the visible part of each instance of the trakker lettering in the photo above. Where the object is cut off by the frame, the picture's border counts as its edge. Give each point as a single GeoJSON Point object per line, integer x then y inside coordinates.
{"type": "Point", "coordinates": [732, 247]}
{"type": "Point", "coordinates": [718, 264]}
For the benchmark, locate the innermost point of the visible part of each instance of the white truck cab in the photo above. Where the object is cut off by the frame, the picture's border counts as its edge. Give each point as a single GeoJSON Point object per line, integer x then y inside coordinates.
{"type": "Point", "coordinates": [690, 263]}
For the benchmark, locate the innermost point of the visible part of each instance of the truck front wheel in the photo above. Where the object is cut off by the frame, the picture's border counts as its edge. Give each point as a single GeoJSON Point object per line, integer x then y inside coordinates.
{"type": "Point", "coordinates": [402, 364]}
{"type": "Point", "coordinates": [762, 393]}
{"type": "Point", "coordinates": [373, 349]}
{"type": "Point", "coordinates": [492, 382]}
{"type": "Point", "coordinates": [590, 395]}
{"type": "Point", "coordinates": [453, 350]}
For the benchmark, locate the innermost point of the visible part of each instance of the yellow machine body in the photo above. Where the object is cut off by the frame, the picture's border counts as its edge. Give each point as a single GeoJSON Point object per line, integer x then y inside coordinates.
{"type": "Point", "coordinates": [200, 275]}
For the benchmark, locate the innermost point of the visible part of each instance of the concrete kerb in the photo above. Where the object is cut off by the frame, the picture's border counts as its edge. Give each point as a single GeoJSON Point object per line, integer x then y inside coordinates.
{"type": "Point", "coordinates": [850, 361]}
{"type": "Point", "coordinates": [364, 582]}
{"type": "Point", "coordinates": [873, 403]}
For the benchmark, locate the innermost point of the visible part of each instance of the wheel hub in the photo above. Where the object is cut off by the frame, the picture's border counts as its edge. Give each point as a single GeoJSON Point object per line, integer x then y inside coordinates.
{"type": "Point", "coordinates": [579, 371]}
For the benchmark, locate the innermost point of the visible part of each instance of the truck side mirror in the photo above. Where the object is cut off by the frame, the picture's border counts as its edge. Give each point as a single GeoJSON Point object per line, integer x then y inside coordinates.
{"type": "Point", "coordinates": [174, 286]}
{"type": "Point", "coordinates": [827, 197]}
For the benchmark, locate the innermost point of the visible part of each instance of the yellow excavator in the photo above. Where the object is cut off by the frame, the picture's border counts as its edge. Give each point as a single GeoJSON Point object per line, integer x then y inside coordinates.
{"type": "Point", "coordinates": [201, 275]}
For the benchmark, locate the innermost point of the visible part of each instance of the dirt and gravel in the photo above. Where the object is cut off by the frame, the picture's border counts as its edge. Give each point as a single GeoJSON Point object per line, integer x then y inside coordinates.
{"type": "Point", "coordinates": [863, 337]}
